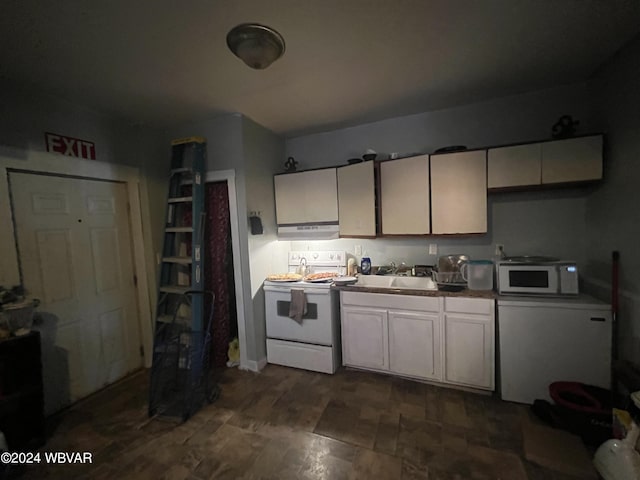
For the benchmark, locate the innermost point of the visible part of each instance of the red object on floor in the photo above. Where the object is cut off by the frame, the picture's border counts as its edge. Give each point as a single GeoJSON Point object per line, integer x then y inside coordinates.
{"type": "Point", "coordinates": [580, 397]}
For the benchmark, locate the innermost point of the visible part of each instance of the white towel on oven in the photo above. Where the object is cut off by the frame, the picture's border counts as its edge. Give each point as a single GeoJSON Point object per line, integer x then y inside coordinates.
{"type": "Point", "coordinates": [298, 306]}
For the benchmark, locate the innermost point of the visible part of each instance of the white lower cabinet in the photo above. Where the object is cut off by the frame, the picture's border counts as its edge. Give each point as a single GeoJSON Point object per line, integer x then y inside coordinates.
{"type": "Point", "coordinates": [449, 340]}
{"type": "Point", "coordinates": [468, 350]}
{"type": "Point", "coordinates": [469, 342]}
{"type": "Point", "coordinates": [365, 341]}
{"type": "Point", "coordinates": [414, 344]}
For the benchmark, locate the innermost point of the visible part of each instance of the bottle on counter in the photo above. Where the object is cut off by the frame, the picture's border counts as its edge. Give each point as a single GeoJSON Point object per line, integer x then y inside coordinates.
{"type": "Point", "coordinates": [365, 266]}
{"type": "Point", "coordinates": [352, 268]}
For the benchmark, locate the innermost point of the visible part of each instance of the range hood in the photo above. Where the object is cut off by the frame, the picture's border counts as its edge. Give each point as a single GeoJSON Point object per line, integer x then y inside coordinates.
{"type": "Point", "coordinates": [308, 232]}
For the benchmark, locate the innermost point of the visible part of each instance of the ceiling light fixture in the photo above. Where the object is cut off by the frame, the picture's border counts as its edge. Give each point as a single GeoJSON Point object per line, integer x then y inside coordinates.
{"type": "Point", "coordinates": [256, 45]}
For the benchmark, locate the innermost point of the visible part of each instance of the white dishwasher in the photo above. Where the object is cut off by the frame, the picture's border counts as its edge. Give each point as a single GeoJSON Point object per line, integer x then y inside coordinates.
{"type": "Point", "coordinates": [544, 340]}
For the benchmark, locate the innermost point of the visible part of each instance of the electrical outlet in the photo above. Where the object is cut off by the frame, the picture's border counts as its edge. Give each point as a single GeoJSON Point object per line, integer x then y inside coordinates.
{"type": "Point", "coordinates": [499, 249]}
{"type": "Point", "coordinates": [433, 249]}
{"type": "Point", "coordinates": [358, 250]}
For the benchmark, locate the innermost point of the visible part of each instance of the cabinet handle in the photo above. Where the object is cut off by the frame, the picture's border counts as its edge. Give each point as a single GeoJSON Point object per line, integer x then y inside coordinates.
{"type": "Point", "coordinates": [598, 319]}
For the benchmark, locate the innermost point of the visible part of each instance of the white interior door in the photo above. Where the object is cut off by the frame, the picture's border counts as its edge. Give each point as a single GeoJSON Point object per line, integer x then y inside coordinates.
{"type": "Point", "coordinates": [75, 255]}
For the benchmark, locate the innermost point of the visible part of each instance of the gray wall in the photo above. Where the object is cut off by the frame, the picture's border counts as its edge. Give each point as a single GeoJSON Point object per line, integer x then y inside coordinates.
{"type": "Point", "coordinates": [544, 223]}
{"type": "Point", "coordinates": [224, 139]}
{"type": "Point", "coordinates": [264, 156]}
{"type": "Point", "coordinates": [513, 119]}
{"type": "Point", "coordinates": [613, 220]}
{"type": "Point", "coordinates": [26, 115]}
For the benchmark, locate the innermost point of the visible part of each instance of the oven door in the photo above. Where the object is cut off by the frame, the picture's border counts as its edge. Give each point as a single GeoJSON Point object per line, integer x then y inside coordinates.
{"type": "Point", "coordinates": [316, 326]}
{"type": "Point", "coordinates": [524, 279]}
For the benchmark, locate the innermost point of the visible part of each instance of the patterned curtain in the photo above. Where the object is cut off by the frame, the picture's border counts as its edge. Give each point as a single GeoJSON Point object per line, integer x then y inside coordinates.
{"type": "Point", "coordinates": [219, 270]}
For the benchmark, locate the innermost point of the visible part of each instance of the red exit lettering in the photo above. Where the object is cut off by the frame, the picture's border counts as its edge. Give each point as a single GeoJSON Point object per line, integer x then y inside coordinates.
{"type": "Point", "coordinates": [73, 147]}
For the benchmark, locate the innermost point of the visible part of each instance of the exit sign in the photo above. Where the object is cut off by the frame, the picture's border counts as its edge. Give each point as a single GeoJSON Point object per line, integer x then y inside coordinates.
{"type": "Point", "coordinates": [73, 147]}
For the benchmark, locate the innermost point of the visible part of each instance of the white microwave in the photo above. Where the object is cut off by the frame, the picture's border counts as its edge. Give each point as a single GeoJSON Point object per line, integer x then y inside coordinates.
{"type": "Point", "coordinates": [551, 278]}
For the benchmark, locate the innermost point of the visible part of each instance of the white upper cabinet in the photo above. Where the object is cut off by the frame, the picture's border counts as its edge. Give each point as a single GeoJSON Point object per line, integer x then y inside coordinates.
{"type": "Point", "coordinates": [306, 197]}
{"type": "Point", "coordinates": [557, 161]}
{"type": "Point", "coordinates": [572, 160]}
{"type": "Point", "coordinates": [404, 196]}
{"type": "Point", "coordinates": [516, 166]}
{"type": "Point", "coordinates": [459, 192]}
{"type": "Point", "coordinates": [357, 200]}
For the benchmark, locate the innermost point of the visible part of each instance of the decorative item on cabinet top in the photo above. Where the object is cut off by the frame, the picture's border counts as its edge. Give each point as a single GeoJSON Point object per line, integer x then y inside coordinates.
{"type": "Point", "coordinates": [290, 165]}
{"type": "Point", "coordinates": [451, 149]}
{"type": "Point", "coordinates": [369, 155]}
{"type": "Point", "coordinates": [565, 127]}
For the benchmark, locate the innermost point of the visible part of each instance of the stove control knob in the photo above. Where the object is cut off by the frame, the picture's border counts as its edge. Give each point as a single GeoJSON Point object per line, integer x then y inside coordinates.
{"type": "Point", "coordinates": [315, 256]}
{"type": "Point", "coordinates": [331, 256]}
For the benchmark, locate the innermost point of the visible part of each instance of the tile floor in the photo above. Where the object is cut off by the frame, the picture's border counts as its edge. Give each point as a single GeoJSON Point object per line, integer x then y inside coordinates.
{"type": "Point", "coordinates": [292, 424]}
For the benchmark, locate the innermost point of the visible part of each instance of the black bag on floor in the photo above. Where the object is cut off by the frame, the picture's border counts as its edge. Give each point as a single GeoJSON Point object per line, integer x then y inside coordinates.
{"type": "Point", "coordinates": [584, 410]}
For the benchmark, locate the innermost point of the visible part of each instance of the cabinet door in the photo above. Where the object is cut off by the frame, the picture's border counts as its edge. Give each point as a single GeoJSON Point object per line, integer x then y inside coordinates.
{"type": "Point", "coordinates": [459, 192]}
{"type": "Point", "coordinates": [306, 197]}
{"type": "Point", "coordinates": [414, 344]}
{"type": "Point", "coordinates": [404, 196]}
{"type": "Point", "coordinates": [469, 350]}
{"type": "Point", "coordinates": [289, 193]}
{"type": "Point", "coordinates": [514, 166]}
{"type": "Point", "coordinates": [365, 338]}
{"type": "Point", "coordinates": [321, 195]}
{"type": "Point", "coordinates": [356, 200]}
{"type": "Point", "coordinates": [572, 160]}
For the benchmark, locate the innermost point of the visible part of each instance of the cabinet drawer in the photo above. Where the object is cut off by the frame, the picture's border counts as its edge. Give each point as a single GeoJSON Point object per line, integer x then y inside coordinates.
{"type": "Point", "coordinates": [388, 301]}
{"type": "Point", "coordinates": [481, 306]}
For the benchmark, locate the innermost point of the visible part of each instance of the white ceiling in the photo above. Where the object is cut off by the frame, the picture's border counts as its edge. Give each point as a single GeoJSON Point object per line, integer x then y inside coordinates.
{"type": "Point", "coordinates": [162, 62]}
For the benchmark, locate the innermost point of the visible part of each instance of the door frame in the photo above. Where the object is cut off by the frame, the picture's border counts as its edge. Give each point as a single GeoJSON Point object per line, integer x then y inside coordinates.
{"type": "Point", "coordinates": [44, 163]}
{"type": "Point", "coordinates": [229, 176]}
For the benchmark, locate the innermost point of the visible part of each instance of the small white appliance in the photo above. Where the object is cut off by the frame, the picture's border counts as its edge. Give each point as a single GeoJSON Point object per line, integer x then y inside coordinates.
{"type": "Point", "coordinates": [314, 343]}
{"type": "Point", "coordinates": [619, 459]}
{"type": "Point", "coordinates": [537, 276]}
{"type": "Point", "coordinates": [478, 274]}
{"type": "Point", "coordinates": [546, 340]}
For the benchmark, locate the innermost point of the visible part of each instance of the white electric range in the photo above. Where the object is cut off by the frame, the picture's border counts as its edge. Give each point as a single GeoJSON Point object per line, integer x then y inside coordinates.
{"type": "Point", "coordinates": [314, 344]}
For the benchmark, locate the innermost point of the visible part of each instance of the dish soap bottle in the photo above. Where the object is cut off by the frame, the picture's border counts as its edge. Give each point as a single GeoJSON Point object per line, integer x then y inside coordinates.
{"type": "Point", "coordinates": [365, 266]}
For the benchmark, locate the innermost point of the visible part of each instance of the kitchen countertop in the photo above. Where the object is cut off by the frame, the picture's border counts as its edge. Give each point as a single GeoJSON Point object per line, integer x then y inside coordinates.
{"type": "Point", "coordinates": [420, 292]}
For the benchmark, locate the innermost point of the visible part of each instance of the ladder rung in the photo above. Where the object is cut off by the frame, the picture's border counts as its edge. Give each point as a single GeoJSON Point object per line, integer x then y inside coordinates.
{"type": "Point", "coordinates": [180, 141]}
{"type": "Point", "coordinates": [175, 171]}
{"type": "Point", "coordinates": [177, 289]}
{"type": "Point", "coordinates": [182, 260]}
{"type": "Point", "coordinates": [178, 229]}
{"type": "Point", "coordinates": [180, 199]}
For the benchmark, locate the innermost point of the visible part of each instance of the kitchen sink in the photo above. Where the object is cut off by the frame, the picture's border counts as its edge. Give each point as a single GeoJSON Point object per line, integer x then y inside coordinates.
{"type": "Point", "coordinates": [391, 281]}
{"type": "Point", "coordinates": [383, 281]}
